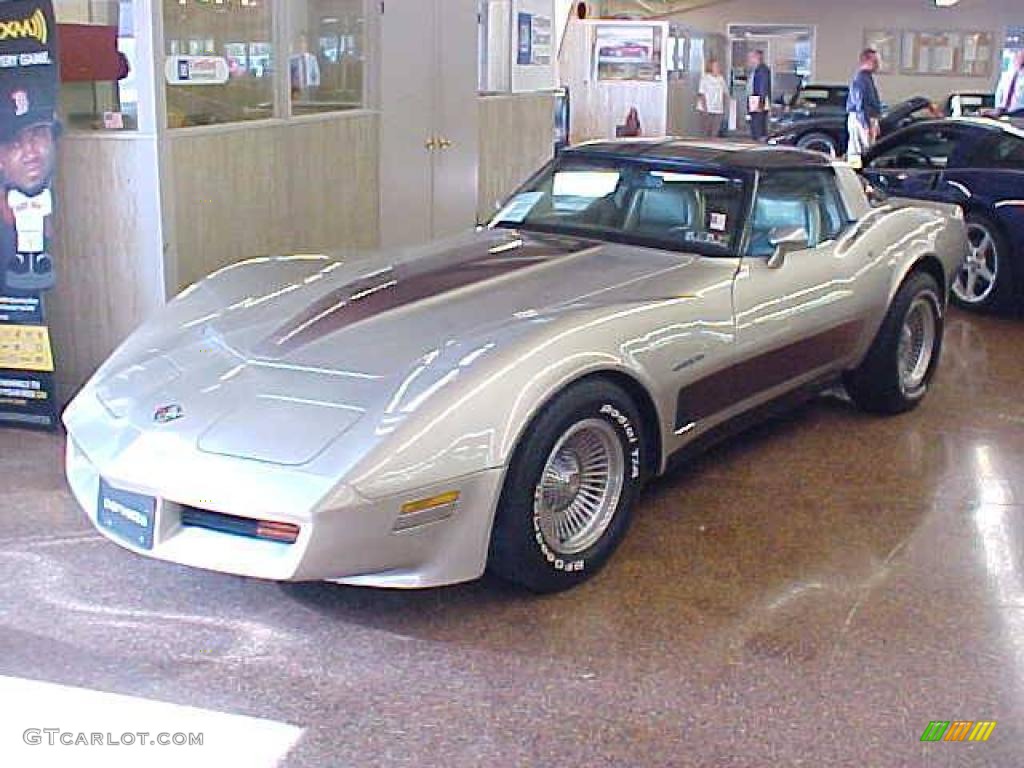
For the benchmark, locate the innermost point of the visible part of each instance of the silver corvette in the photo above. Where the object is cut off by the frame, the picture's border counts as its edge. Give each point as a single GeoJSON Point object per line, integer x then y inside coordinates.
{"type": "Point", "coordinates": [498, 400]}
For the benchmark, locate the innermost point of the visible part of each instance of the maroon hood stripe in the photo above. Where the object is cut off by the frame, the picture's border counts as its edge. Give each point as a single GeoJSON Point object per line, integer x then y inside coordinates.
{"type": "Point", "coordinates": [406, 284]}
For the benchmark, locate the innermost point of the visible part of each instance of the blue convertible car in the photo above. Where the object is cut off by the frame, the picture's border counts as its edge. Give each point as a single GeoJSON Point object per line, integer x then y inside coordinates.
{"type": "Point", "coordinates": [978, 163]}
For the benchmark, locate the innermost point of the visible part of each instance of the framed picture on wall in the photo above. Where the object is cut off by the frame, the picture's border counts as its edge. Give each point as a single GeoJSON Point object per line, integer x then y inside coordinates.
{"type": "Point", "coordinates": [979, 50]}
{"type": "Point", "coordinates": [887, 43]}
{"type": "Point", "coordinates": [628, 52]}
{"type": "Point", "coordinates": [951, 53]}
{"type": "Point", "coordinates": [930, 53]}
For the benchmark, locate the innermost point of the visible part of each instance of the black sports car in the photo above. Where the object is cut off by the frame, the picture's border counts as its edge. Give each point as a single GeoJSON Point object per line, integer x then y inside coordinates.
{"type": "Point", "coordinates": [828, 133]}
{"type": "Point", "coordinates": [813, 100]}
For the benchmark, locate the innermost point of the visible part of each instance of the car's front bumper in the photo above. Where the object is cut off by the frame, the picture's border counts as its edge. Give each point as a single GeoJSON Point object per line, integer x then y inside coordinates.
{"type": "Point", "coordinates": [345, 538]}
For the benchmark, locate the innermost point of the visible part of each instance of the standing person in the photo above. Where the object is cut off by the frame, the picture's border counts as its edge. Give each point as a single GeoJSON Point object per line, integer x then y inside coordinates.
{"type": "Point", "coordinates": [1010, 92]}
{"type": "Point", "coordinates": [304, 69]}
{"type": "Point", "coordinates": [759, 95]}
{"type": "Point", "coordinates": [863, 108]}
{"type": "Point", "coordinates": [711, 99]}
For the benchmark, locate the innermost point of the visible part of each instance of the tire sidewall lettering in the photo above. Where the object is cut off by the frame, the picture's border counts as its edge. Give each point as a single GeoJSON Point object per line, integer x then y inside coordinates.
{"type": "Point", "coordinates": [624, 424]}
{"type": "Point", "coordinates": [556, 562]}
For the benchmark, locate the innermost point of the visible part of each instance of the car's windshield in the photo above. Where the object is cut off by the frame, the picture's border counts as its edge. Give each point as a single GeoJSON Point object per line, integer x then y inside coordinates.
{"type": "Point", "coordinates": [817, 97]}
{"type": "Point", "coordinates": [632, 202]}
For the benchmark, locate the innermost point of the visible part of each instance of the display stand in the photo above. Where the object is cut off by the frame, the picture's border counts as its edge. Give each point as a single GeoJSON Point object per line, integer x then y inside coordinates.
{"type": "Point", "coordinates": [27, 392]}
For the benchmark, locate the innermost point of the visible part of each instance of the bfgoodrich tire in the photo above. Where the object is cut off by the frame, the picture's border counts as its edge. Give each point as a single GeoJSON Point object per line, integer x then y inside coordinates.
{"type": "Point", "coordinates": [901, 363]}
{"type": "Point", "coordinates": [568, 495]}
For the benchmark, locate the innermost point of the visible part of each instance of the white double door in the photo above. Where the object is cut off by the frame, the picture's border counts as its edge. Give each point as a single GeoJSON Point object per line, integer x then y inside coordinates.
{"type": "Point", "coordinates": [429, 119]}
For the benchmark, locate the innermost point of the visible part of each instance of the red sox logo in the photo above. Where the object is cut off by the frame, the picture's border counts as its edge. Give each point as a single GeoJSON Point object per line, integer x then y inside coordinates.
{"type": "Point", "coordinates": [21, 104]}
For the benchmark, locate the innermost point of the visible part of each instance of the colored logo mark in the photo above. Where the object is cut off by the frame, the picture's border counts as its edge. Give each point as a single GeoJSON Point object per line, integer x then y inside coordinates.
{"type": "Point", "coordinates": [958, 730]}
{"type": "Point", "coordinates": [168, 413]}
{"type": "Point", "coordinates": [33, 28]}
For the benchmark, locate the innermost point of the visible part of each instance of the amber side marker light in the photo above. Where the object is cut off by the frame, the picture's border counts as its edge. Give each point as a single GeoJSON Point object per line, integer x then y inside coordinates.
{"type": "Point", "coordinates": [422, 505]}
{"type": "Point", "coordinates": [422, 512]}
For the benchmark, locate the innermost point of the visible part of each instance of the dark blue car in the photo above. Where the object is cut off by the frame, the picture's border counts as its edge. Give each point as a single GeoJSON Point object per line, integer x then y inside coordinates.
{"type": "Point", "coordinates": [979, 164]}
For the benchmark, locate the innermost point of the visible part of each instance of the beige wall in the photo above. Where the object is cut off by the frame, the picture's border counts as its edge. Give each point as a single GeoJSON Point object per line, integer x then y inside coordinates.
{"type": "Point", "coordinates": [516, 138]}
{"type": "Point", "coordinates": [234, 192]}
{"type": "Point", "coordinates": [237, 193]}
{"type": "Point", "coordinates": [841, 26]}
{"type": "Point", "coordinates": [273, 187]}
{"type": "Point", "coordinates": [108, 250]}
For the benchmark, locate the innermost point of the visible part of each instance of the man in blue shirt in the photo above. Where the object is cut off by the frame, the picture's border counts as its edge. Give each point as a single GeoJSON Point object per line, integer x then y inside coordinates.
{"type": "Point", "coordinates": [863, 108]}
{"type": "Point", "coordinates": [759, 95]}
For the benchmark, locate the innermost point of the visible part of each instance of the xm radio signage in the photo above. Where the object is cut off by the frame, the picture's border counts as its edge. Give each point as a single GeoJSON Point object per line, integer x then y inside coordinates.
{"type": "Point", "coordinates": [28, 149]}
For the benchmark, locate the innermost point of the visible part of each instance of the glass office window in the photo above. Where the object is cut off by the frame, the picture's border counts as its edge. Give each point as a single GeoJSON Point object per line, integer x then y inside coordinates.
{"type": "Point", "coordinates": [219, 65]}
{"type": "Point", "coordinates": [99, 89]}
{"type": "Point", "coordinates": [495, 46]}
{"type": "Point", "coordinates": [327, 57]}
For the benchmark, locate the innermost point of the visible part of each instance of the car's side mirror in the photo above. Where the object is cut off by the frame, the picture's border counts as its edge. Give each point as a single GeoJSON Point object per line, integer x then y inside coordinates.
{"type": "Point", "coordinates": [785, 241]}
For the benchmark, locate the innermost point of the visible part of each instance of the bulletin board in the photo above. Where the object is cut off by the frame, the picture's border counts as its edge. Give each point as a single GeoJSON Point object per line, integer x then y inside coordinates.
{"type": "Point", "coordinates": [887, 43]}
{"type": "Point", "coordinates": [950, 53]}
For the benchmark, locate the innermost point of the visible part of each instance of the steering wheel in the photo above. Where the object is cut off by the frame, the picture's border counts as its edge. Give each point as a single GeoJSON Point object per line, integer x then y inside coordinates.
{"type": "Point", "coordinates": [918, 158]}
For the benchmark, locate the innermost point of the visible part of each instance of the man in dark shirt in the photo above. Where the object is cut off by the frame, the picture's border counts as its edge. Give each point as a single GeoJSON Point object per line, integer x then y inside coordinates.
{"type": "Point", "coordinates": [759, 95]}
{"type": "Point", "coordinates": [863, 108]}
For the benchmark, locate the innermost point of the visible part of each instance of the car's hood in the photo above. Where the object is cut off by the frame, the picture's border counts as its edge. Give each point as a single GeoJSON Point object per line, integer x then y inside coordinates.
{"type": "Point", "coordinates": [789, 124]}
{"type": "Point", "coordinates": [890, 119]}
{"type": "Point", "coordinates": [273, 361]}
{"type": "Point", "coordinates": [905, 109]}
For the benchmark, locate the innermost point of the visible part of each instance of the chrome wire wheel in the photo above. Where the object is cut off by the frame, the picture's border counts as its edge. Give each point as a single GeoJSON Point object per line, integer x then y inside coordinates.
{"type": "Point", "coordinates": [580, 487]}
{"type": "Point", "coordinates": [977, 277]}
{"type": "Point", "coordinates": [917, 343]}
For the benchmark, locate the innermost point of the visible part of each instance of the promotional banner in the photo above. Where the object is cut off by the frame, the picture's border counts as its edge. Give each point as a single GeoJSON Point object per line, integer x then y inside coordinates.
{"type": "Point", "coordinates": [28, 148]}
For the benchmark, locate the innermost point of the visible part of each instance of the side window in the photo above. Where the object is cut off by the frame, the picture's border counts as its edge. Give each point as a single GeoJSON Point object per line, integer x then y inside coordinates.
{"type": "Point", "coordinates": [1007, 152]}
{"type": "Point", "coordinates": [920, 150]}
{"type": "Point", "coordinates": [804, 201]}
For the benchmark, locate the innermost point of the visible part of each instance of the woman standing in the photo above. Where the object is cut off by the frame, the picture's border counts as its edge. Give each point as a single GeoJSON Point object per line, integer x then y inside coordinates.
{"type": "Point", "coordinates": [711, 99]}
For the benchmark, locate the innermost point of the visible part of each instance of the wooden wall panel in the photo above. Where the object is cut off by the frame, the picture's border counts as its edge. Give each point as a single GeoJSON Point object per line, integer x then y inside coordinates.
{"type": "Point", "coordinates": [108, 250]}
{"type": "Point", "coordinates": [330, 174]}
{"type": "Point", "coordinates": [516, 138]}
{"type": "Point", "coordinates": [272, 188]}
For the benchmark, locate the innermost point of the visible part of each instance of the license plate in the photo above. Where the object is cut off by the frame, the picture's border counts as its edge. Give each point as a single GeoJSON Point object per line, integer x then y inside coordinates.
{"type": "Point", "coordinates": [130, 516]}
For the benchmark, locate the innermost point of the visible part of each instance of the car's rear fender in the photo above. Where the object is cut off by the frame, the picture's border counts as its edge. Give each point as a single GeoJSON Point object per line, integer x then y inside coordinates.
{"type": "Point", "coordinates": [913, 236]}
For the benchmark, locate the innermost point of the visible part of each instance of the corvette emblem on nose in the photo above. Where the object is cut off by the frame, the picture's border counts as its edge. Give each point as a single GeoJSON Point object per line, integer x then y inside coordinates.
{"type": "Point", "coordinates": [168, 413]}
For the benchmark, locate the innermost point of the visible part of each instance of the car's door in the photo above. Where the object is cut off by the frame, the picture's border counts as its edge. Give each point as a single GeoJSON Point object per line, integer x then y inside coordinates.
{"type": "Point", "coordinates": [912, 162]}
{"type": "Point", "coordinates": [800, 315]}
{"type": "Point", "coordinates": [987, 169]}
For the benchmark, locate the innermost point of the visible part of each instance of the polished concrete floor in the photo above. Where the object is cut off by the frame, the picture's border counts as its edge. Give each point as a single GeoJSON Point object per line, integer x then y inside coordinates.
{"type": "Point", "coordinates": [812, 593]}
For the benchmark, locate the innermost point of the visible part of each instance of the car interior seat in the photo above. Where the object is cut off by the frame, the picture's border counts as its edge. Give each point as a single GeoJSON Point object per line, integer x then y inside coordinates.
{"type": "Point", "coordinates": [773, 215]}
{"type": "Point", "coordinates": [664, 211]}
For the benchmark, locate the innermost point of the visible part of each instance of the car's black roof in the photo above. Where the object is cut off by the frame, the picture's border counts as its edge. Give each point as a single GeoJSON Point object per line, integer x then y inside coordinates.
{"type": "Point", "coordinates": [1012, 125]}
{"type": "Point", "coordinates": [739, 155]}
{"type": "Point", "coordinates": [1009, 125]}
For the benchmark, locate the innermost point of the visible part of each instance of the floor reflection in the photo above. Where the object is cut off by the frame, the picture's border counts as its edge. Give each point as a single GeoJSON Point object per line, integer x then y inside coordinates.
{"type": "Point", "coordinates": [820, 587]}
